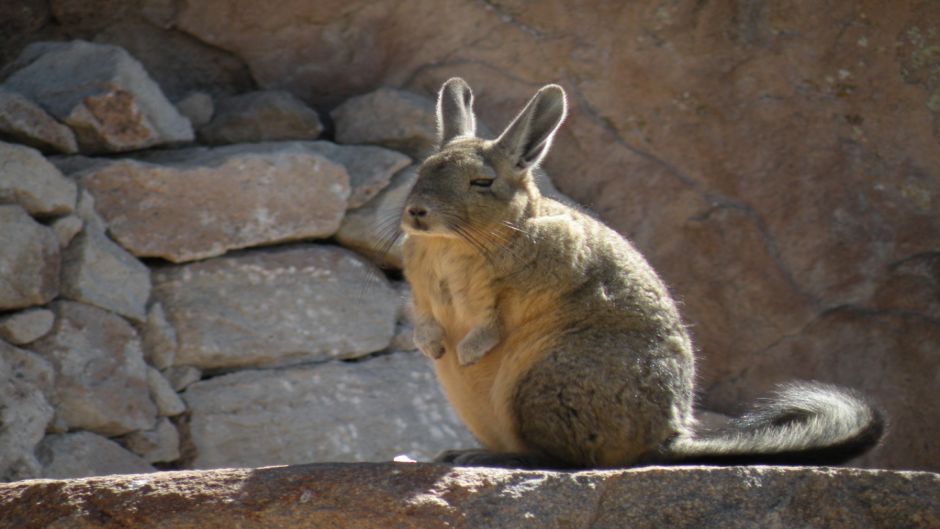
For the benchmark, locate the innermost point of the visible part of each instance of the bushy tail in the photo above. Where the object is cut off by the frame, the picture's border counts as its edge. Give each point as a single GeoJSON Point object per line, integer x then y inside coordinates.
{"type": "Point", "coordinates": [802, 424]}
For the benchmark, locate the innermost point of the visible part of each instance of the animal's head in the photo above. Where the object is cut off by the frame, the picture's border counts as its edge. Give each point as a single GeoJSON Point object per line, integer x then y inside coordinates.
{"type": "Point", "coordinates": [471, 185]}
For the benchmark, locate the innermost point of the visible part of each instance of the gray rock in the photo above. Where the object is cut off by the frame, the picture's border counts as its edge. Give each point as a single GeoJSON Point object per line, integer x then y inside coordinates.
{"type": "Point", "coordinates": [273, 307]}
{"type": "Point", "coordinates": [270, 115]}
{"type": "Point", "coordinates": [159, 338]}
{"type": "Point", "coordinates": [23, 121]}
{"type": "Point", "coordinates": [198, 108]}
{"type": "Point", "coordinates": [29, 262]}
{"type": "Point", "coordinates": [21, 328]}
{"type": "Point", "coordinates": [370, 168]}
{"type": "Point", "coordinates": [392, 118]}
{"type": "Point", "coordinates": [66, 228]}
{"type": "Point", "coordinates": [101, 378]}
{"type": "Point", "coordinates": [24, 411]}
{"type": "Point", "coordinates": [102, 93]}
{"type": "Point", "coordinates": [373, 229]}
{"type": "Point", "coordinates": [366, 411]}
{"type": "Point", "coordinates": [27, 179]}
{"type": "Point", "coordinates": [159, 445]}
{"type": "Point", "coordinates": [98, 272]}
{"type": "Point", "coordinates": [82, 454]}
{"type": "Point", "coordinates": [169, 404]}
{"type": "Point", "coordinates": [181, 377]}
{"type": "Point", "coordinates": [196, 203]}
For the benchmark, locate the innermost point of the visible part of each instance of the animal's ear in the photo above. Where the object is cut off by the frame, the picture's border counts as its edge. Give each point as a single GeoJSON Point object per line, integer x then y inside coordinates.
{"type": "Point", "coordinates": [527, 139]}
{"type": "Point", "coordinates": [455, 111]}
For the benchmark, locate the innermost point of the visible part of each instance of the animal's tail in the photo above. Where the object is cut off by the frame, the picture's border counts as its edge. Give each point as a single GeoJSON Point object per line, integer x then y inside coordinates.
{"type": "Point", "coordinates": [802, 424]}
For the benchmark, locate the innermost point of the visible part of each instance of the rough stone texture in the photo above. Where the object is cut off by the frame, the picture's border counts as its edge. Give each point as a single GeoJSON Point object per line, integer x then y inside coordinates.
{"type": "Point", "coordinates": [396, 119]}
{"type": "Point", "coordinates": [406, 496]}
{"type": "Point", "coordinates": [269, 115]}
{"type": "Point", "coordinates": [80, 454]}
{"type": "Point", "coordinates": [198, 108]}
{"type": "Point", "coordinates": [370, 168]}
{"type": "Point", "coordinates": [169, 404]}
{"type": "Point", "coordinates": [97, 271]}
{"type": "Point", "coordinates": [371, 410]}
{"type": "Point", "coordinates": [158, 338]}
{"type": "Point", "coordinates": [197, 203]}
{"type": "Point", "coordinates": [181, 377]}
{"type": "Point", "coordinates": [27, 326]}
{"type": "Point", "coordinates": [102, 93]}
{"type": "Point", "coordinates": [101, 377]}
{"type": "Point", "coordinates": [24, 411]}
{"type": "Point", "coordinates": [159, 445]}
{"type": "Point", "coordinates": [23, 121]}
{"type": "Point", "coordinates": [27, 179]}
{"type": "Point", "coordinates": [307, 302]}
{"type": "Point", "coordinates": [66, 228]}
{"type": "Point", "coordinates": [29, 262]}
{"type": "Point", "coordinates": [773, 160]}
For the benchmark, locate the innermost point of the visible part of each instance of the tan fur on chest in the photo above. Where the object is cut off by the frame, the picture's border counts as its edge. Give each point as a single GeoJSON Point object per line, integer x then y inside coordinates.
{"type": "Point", "coordinates": [448, 280]}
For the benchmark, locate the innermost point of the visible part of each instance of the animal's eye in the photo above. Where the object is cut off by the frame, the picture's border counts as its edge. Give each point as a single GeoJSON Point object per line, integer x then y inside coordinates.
{"type": "Point", "coordinates": [481, 182]}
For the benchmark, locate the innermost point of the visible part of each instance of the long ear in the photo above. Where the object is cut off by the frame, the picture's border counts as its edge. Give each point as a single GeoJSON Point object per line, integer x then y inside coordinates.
{"type": "Point", "coordinates": [455, 110]}
{"type": "Point", "coordinates": [527, 139]}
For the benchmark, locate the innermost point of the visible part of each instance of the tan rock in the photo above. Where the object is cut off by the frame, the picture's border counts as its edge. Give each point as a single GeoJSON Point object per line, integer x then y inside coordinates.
{"type": "Point", "coordinates": [158, 338]}
{"type": "Point", "coordinates": [29, 262]}
{"type": "Point", "coordinates": [396, 119]}
{"type": "Point", "coordinates": [371, 410]}
{"type": "Point", "coordinates": [197, 203]}
{"type": "Point", "coordinates": [412, 496]}
{"type": "Point", "coordinates": [26, 326]}
{"type": "Point", "coordinates": [370, 168]}
{"type": "Point", "coordinates": [101, 377]}
{"type": "Point", "coordinates": [27, 179]}
{"type": "Point", "coordinates": [102, 93]}
{"type": "Point", "coordinates": [169, 404]}
{"type": "Point", "coordinates": [270, 115]}
{"type": "Point", "coordinates": [181, 377]}
{"type": "Point", "coordinates": [276, 307]}
{"type": "Point", "coordinates": [22, 121]}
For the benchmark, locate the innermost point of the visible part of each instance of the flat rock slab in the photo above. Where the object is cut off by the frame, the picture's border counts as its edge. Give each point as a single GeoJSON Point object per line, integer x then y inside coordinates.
{"type": "Point", "coordinates": [370, 410]}
{"type": "Point", "coordinates": [101, 92]}
{"type": "Point", "coordinates": [23, 121]}
{"type": "Point", "coordinates": [276, 307]}
{"type": "Point", "coordinates": [196, 203]}
{"type": "Point", "coordinates": [408, 495]}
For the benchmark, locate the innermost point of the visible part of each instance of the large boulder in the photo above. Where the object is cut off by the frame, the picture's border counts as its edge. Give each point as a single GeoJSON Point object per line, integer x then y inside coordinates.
{"type": "Point", "coordinates": [101, 378]}
{"type": "Point", "coordinates": [29, 262]}
{"type": "Point", "coordinates": [275, 307]}
{"type": "Point", "coordinates": [101, 92]}
{"type": "Point", "coordinates": [196, 203]}
{"type": "Point", "coordinates": [371, 410]}
{"type": "Point", "coordinates": [411, 496]}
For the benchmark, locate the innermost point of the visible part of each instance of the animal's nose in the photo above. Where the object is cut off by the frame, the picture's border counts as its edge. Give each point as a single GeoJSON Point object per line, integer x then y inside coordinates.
{"type": "Point", "coordinates": [417, 212]}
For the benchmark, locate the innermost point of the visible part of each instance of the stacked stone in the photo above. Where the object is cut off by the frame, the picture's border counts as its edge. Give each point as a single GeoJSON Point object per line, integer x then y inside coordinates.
{"type": "Point", "coordinates": [174, 294]}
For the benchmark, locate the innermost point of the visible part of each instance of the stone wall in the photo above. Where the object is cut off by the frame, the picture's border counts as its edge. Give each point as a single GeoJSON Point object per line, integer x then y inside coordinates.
{"type": "Point", "coordinates": [777, 162]}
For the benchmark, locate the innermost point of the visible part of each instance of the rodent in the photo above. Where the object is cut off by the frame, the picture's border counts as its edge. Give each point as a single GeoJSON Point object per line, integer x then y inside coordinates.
{"type": "Point", "coordinates": [554, 339]}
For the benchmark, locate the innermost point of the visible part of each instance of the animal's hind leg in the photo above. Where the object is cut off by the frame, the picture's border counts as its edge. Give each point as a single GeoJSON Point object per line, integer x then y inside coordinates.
{"type": "Point", "coordinates": [569, 411]}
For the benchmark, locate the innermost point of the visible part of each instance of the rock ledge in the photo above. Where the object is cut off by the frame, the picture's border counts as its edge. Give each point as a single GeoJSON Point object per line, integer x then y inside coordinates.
{"type": "Point", "coordinates": [406, 495]}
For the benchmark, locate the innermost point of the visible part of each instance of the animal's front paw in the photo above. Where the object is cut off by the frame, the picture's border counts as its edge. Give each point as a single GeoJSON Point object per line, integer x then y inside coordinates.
{"type": "Point", "coordinates": [429, 339]}
{"type": "Point", "coordinates": [477, 342]}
